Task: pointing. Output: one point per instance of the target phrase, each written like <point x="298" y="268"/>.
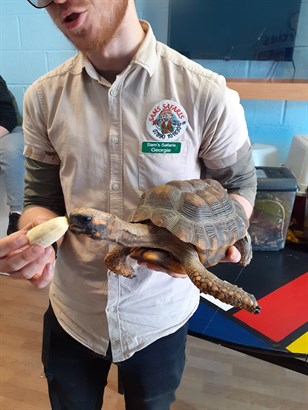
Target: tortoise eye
<point x="86" y="218"/>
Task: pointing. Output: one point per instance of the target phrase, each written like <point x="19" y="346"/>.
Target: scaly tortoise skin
<point x="182" y="226"/>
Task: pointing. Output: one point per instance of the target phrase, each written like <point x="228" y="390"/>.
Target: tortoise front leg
<point x="115" y="260"/>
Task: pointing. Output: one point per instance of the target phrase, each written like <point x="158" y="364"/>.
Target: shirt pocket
<point x="158" y="168"/>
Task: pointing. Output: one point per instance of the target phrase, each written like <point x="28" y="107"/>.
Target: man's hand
<point x="233" y="255"/>
<point x="22" y="261"/>
<point x="3" y="131"/>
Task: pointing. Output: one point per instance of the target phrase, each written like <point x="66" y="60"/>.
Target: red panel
<point x="283" y="310"/>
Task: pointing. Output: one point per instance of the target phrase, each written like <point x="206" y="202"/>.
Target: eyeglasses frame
<point x="39" y="7"/>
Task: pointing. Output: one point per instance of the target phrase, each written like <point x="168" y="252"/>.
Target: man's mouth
<point x="71" y="17"/>
<point x="73" y="20"/>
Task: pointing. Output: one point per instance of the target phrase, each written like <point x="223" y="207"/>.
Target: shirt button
<point x="115" y="187"/>
<point x="115" y="140"/>
<point x="113" y="93"/>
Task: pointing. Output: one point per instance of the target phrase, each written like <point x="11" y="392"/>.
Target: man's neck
<point x="111" y="60"/>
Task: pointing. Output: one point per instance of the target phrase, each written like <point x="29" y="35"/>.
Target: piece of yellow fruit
<point x="48" y="232"/>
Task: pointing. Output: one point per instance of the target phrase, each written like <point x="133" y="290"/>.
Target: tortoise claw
<point x="257" y="310"/>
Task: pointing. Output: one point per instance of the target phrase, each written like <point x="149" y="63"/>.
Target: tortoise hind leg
<point x="209" y="283"/>
<point x="224" y="291"/>
<point x="115" y="260"/>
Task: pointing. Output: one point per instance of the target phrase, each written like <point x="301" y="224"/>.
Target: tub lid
<point x="276" y="179"/>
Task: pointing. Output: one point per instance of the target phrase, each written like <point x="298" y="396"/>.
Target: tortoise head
<point x="90" y="222"/>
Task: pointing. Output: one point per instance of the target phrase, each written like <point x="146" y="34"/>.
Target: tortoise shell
<point x="199" y="212"/>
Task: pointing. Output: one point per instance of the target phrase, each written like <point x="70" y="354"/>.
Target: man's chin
<point x="80" y="43"/>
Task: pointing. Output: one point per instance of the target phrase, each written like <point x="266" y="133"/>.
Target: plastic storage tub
<point x="297" y="161"/>
<point x="273" y="208"/>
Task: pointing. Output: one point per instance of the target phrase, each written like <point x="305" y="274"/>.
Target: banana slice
<point x="48" y="232"/>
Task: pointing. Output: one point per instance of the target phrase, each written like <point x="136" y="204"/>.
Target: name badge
<point x="155" y="147"/>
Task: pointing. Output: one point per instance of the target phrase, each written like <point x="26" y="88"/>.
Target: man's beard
<point x="103" y="36"/>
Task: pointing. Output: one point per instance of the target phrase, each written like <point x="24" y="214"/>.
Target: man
<point x="11" y="154"/>
<point x="89" y="127"/>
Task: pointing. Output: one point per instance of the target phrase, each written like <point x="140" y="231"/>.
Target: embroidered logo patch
<point x="167" y="121"/>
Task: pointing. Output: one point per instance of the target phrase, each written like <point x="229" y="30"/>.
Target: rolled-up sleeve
<point x="226" y="148"/>
<point x="239" y="178"/>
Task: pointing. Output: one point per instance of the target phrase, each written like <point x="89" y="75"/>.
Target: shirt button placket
<point x="116" y="206"/>
<point x="116" y="154"/>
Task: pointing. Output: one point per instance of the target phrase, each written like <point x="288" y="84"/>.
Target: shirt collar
<point x="145" y="56"/>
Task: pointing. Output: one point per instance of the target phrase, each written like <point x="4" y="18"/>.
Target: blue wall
<point x="30" y="45"/>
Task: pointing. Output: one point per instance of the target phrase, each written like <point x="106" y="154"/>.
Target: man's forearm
<point x="244" y="202"/>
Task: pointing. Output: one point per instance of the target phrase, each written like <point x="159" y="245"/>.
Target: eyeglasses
<point x="40" y="4"/>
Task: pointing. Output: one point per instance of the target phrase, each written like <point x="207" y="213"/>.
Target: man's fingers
<point x="30" y="262"/>
<point x="17" y="260"/>
<point x="13" y="242"/>
<point x="43" y="280"/>
<point x="233" y="255"/>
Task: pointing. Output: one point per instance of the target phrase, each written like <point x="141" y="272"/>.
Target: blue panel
<point x="280" y="136"/>
<point x="156" y="13"/>
<point x="209" y="323"/>
<point x="9" y="33"/>
<point x="17" y="7"/>
<point x="56" y="58"/>
<point x="229" y="69"/>
<point x="22" y="67"/>
<point x="43" y="35"/>
<point x="297" y="115"/>
<point x="262" y="112"/>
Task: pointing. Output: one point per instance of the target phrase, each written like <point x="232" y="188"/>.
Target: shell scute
<point x="199" y="212"/>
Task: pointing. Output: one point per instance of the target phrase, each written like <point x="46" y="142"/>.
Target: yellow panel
<point x="299" y="345"/>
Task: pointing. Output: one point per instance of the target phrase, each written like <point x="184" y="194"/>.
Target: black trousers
<point x="77" y="376"/>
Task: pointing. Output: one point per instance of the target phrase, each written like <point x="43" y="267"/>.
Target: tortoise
<point x="181" y="226"/>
